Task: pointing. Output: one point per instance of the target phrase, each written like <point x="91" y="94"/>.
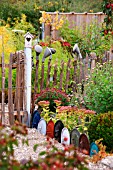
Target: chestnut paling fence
<point x="12" y="97"/>
<point x="64" y="77"/>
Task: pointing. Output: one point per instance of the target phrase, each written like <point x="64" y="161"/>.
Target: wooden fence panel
<point x="80" y="20"/>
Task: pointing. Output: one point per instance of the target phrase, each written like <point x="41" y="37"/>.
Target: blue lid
<point x="93" y="149"/>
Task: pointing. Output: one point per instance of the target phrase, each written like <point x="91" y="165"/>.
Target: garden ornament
<point x="74" y="137"/>
<point x="84" y="145"/>
<point x="93" y="149"/>
<point x="38" y="50"/>
<point x="42" y="126"/>
<point x="77" y="50"/>
<point x="65" y="136"/>
<point x="48" y="52"/>
<point x="50" y="129"/>
<point x="57" y="130"/>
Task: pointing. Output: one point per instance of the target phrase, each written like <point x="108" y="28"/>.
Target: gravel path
<point x="24" y="151"/>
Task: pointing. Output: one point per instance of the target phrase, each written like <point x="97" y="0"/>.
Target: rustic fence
<point x="15" y="106"/>
<point x="66" y="76"/>
<point x="76" y="70"/>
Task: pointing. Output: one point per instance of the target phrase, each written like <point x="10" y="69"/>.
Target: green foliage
<point x="14" y="8"/>
<point x="108" y="10"/>
<point x="75" y="117"/>
<point x="99" y="89"/>
<point x="89" y="40"/>
<point x="102" y="127"/>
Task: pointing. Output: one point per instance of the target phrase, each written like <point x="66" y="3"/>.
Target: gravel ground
<point x="22" y="152"/>
<point x="26" y="151"/>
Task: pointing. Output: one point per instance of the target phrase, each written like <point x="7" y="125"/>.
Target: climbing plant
<point x="108" y="10"/>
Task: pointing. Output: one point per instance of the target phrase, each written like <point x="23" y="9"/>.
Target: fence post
<point x="111" y="53"/>
<point x="10" y="98"/>
<point x="48" y="73"/>
<point x="61" y="75"/>
<point x="74" y="75"/>
<point x="93" y="58"/>
<point x="67" y="74"/>
<point x="3" y="91"/>
<point x="28" y="66"/>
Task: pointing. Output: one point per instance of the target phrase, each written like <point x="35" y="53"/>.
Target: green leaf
<point x="42" y="153"/>
<point x="35" y="147"/>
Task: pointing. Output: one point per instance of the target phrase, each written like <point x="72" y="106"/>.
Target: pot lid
<point x="42" y="126"/>
<point x="50" y="129"/>
<point x="65" y="136"/>
<point x="74" y="137"/>
<point x="84" y="145"/>
<point x="57" y="130"/>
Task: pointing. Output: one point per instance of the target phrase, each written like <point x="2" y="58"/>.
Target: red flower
<point x="66" y="44"/>
<point x="43" y="44"/>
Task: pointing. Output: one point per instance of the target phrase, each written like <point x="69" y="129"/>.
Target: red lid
<point x="50" y="129"/>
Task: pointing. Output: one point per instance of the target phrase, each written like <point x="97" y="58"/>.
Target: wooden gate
<point x="12" y="105"/>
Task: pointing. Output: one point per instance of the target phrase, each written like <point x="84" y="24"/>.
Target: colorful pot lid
<point x="93" y="149"/>
<point x="65" y="136"/>
<point x="84" y="145"/>
<point x="74" y="137"/>
<point x="57" y="130"/>
<point x="50" y="129"/>
<point x="42" y="126"/>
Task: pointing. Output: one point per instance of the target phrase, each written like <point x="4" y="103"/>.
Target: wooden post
<point x="36" y="77"/>
<point x="48" y="73"/>
<point x="10" y="98"/>
<point x="74" y="75"/>
<point x="81" y="71"/>
<point x="18" y="86"/>
<point x="55" y="75"/>
<point x="93" y="58"/>
<point x="61" y="74"/>
<point x="111" y="53"/>
<point x="86" y="67"/>
<point x="67" y="74"/>
<point x="3" y="92"/>
<point x="42" y="77"/>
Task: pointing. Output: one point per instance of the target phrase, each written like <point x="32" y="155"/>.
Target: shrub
<point x="74" y="117"/>
<point x="89" y="40"/>
<point x="99" y="89"/>
<point x="51" y="95"/>
<point x="102" y="127"/>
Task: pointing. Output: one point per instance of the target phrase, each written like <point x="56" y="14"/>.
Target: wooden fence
<point x="65" y="77"/>
<point x="75" y="19"/>
<point x="15" y="106"/>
